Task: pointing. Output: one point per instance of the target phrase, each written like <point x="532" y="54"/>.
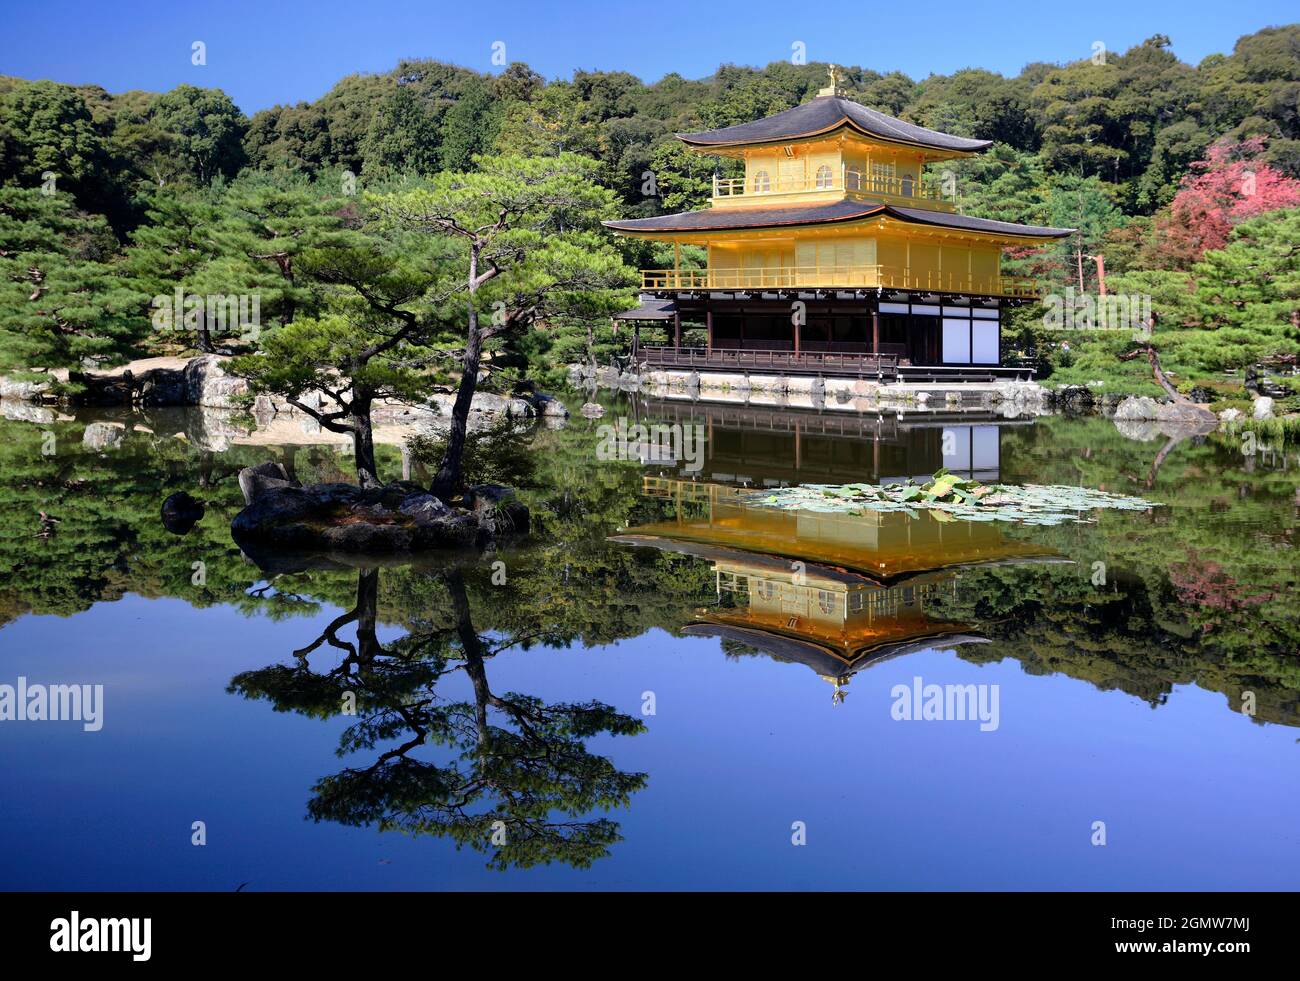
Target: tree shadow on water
<point x="508" y="775"/>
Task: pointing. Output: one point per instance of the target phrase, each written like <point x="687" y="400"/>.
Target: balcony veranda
<point x="838" y="277"/>
<point x="764" y="188"/>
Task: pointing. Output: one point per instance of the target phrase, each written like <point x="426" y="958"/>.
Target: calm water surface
<point x="669" y="684"/>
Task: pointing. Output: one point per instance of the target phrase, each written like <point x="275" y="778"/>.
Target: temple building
<point x="835" y="253"/>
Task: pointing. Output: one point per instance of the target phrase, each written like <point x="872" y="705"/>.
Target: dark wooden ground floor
<point x="857" y="334"/>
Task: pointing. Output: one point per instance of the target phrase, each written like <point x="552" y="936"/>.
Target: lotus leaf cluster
<point x="948" y="496"/>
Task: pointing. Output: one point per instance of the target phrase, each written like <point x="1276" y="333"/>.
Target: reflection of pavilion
<point x="835" y="592"/>
<point x="764" y="446"/>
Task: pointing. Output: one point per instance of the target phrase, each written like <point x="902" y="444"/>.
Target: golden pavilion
<point x="836" y="252"/>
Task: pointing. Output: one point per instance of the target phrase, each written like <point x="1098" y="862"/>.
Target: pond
<point x="664" y="686"/>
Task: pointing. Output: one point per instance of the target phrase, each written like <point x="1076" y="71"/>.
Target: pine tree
<point x="65" y="298"/>
<point x="266" y="222"/>
<point x="1250" y="291"/>
<point x="171" y="251"/>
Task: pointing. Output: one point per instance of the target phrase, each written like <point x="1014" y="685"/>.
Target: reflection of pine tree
<point x="517" y="781"/>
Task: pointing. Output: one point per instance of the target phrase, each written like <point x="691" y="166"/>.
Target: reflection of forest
<point x="1202" y="591"/>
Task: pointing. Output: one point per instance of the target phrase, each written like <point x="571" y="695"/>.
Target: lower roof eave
<point x="886" y="294"/>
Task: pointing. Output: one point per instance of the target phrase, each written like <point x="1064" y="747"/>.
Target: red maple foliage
<point x="1223" y="190"/>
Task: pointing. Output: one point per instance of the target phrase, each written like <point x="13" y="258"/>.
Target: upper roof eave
<point x="826" y="114"/>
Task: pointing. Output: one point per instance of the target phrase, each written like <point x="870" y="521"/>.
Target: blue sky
<point x="270" y="52"/>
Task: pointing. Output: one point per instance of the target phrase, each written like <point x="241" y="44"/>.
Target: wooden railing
<point x="879" y="185"/>
<point x="795" y="277"/>
<point x="789" y="362"/>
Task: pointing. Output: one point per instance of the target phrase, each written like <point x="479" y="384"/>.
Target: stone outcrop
<point x="1263" y="408"/>
<point x="1142" y="418"/>
<point x="398" y="517"/>
<point x="254" y="482"/>
<point x="484" y="403"/>
<point x="1137" y="408"/>
<point x="1073" y="398"/>
<point x="27" y="391"/>
<point x="181" y="512"/>
<point x="206" y="383"/>
<point x="497" y="508"/>
<point x="551" y="407"/>
<point x="164" y="387"/>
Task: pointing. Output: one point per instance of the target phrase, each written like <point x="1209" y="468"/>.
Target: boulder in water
<point x="181" y="512"/>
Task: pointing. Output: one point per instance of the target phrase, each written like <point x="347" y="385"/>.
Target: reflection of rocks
<point x="592" y="410"/>
<point x="215" y="429"/>
<point x="264" y="410"/>
<point x="271" y="421"/>
<point x="1138" y="429"/>
<point x="18" y="411"/>
<point x="100" y="436"/>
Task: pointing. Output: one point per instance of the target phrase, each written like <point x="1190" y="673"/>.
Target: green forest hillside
<point x="1184" y="178"/>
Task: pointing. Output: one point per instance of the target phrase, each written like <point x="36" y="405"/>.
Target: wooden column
<point x="875" y="330"/>
<point x="796" y="335"/>
<point x="677" y="329"/>
<point x="708" y="323"/>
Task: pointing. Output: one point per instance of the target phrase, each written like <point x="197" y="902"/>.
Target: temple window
<point x="823" y="176"/>
<point x="762" y="182"/>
